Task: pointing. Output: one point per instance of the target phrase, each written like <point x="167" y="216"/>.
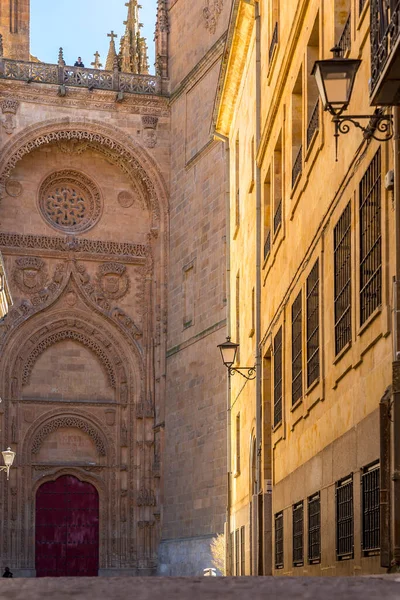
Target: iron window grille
<point x="313" y="358"/>
<point x="370" y="490"/>
<point x="297" y="350"/>
<point x="242" y="551"/>
<point x="297" y="165"/>
<point x="342" y="268"/>
<point x="298" y="534"/>
<point x="279" y="540"/>
<point x="267" y="245"/>
<point x="370" y="239"/>
<point x="344" y="519"/>
<point x="278" y="378"/>
<point x="314" y="529"/>
<point x="313" y="124"/>
<point x="237" y="555"/>
<point x="361" y="5"/>
<point x="274" y="42"/>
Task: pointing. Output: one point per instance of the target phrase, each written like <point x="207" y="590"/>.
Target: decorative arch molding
<point x="68" y="334"/>
<point x="133" y="159"/>
<point x="68" y="421"/>
<point x="56" y="419"/>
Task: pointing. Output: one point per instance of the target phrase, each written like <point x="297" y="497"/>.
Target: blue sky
<point x="81" y="27"/>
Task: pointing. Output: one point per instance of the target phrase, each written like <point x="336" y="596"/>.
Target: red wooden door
<point x="67" y="529"/>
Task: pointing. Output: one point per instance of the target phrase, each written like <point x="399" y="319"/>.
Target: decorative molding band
<point x="54" y="246"/>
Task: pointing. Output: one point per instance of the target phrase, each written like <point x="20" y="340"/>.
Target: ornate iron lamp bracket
<point x="379" y="126"/>
<point x="251" y="372"/>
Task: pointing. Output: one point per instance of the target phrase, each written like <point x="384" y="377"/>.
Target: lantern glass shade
<point x="8" y="457"/>
<point x="335" y="81"/>
<point x="228" y="352"/>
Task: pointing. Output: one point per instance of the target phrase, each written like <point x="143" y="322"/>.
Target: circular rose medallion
<point x="125" y="199"/>
<point x="69" y="201"/>
<point x="13" y="188"/>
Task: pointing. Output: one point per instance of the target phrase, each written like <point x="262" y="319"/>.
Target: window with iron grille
<point x="242" y="551"/>
<point x="279" y="540"/>
<point x="238" y="443"/>
<point x="313" y="324"/>
<point x="370" y="240"/>
<point x="371" y="509"/>
<point x="298" y="534"/>
<point x="237" y="555"/>
<point x="342" y="266"/>
<point x="314" y="529"/>
<point x="278" y="378"/>
<point x="344" y="519"/>
<point x="297" y="351"/>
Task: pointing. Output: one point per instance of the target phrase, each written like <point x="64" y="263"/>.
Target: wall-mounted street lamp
<point x="335" y="79"/>
<point x="228" y="352"/>
<point x="8" y="457"/>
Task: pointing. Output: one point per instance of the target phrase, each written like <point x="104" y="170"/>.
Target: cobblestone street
<point x="360" y="588"/>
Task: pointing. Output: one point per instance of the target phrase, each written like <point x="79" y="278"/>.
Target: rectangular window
<point x="242" y="551"/>
<point x="237" y="556"/>
<point x="277" y="165"/>
<point x="297" y="349"/>
<point x="312" y="55"/>
<point x="237" y="182"/>
<point x="344" y="519"/>
<point x="312" y="287"/>
<point x="297" y="128"/>
<point x="371" y="509"/>
<point x="279" y="540"/>
<point x="238" y="444"/>
<point x="278" y="378"/>
<point x="314" y="529"/>
<point x="267" y="214"/>
<point x="298" y="535"/>
<point x="342" y="267"/>
<point x="370" y="240"/>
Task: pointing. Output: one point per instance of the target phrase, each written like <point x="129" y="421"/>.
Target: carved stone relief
<point x="149" y="130"/>
<point x="9" y="108"/>
<point x="69" y="201"/>
<point x="211" y="13"/>
<point x="62" y="422"/>
<point x="126" y="199"/>
<point x="13" y="188"/>
<point x="113" y="280"/>
<point x="29" y="274"/>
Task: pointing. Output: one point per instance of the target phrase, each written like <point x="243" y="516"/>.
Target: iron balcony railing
<point x="344" y="42"/>
<point x="267" y="245"/>
<point x="274" y="42"/>
<point x="385" y="33"/>
<point x="92" y="79"/>
<point x="313" y="124"/>
<point x="297" y="165"/>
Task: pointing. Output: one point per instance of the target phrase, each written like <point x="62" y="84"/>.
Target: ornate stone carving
<point x="126" y="199"/>
<point x="110" y="416"/>
<point x="63" y="422"/>
<point x="69" y="201"/>
<point x="29" y="415"/>
<point x="124" y="435"/>
<point x="9" y="108"/>
<point x="211" y="13"/>
<point x="146" y="498"/>
<point x="58" y="245"/>
<point x="113" y="280"/>
<point x="145" y="409"/>
<point x="29" y="274"/>
<point x="13" y="188"/>
<point x="72" y="146"/>
<point x="68" y="334"/>
<point x="149" y="122"/>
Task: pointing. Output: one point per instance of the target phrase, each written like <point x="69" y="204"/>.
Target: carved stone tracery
<point x="70" y="201"/>
<point x="64" y="422"/>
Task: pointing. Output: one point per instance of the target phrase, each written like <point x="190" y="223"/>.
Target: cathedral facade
<point x="112" y="235"/>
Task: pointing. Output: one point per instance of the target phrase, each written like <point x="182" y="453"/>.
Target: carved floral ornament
<point x="135" y="162"/>
<point x="211" y="13"/>
<point x="70" y="201"/>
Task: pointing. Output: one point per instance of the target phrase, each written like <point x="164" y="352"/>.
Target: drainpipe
<point x="227" y="532"/>
<point x="259" y="412"/>
<point x="396" y="347"/>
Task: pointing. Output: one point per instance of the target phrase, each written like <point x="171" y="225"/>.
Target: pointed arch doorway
<point x="67" y="529"/>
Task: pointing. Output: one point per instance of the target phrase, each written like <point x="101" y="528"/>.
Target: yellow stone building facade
<point x="313" y="257"/>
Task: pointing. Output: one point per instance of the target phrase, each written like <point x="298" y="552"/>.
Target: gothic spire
<point x="112" y="53"/>
<point x="161" y="37"/>
<point x="133" y="48"/>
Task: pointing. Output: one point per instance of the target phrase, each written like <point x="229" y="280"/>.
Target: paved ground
<point x="206" y="588"/>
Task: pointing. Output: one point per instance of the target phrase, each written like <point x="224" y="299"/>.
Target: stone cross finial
<point x="61" y="61"/>
<point x="96" y="64"/>
<point x="112" y="35"/>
